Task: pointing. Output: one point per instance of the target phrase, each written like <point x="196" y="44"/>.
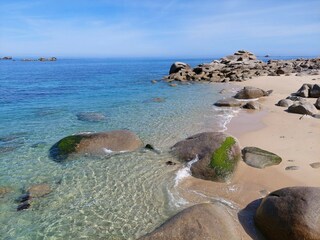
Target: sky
<point x="159" y="28"/>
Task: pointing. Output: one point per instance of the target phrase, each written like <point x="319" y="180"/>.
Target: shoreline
<point x="295" y="140"/>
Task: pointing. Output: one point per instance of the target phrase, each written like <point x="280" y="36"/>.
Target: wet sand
<point x="293" y="138"/>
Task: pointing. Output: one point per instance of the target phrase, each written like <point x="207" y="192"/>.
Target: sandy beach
<point x="294" y="137"/>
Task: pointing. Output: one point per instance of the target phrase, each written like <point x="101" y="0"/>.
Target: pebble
<point x="292" y="168"/>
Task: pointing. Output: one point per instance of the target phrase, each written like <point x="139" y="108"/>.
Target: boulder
<point x="290" y="214"/>
<point x="303" y="108"/>
<point x="91" y="117"/>
<point x="202" y="221"/>
<point x="259" y="158"/>
<point x="315" y="91"/>
<point x="251" y="92"/>
<point x="285" y="103"/>
<point x="95" y="144"/>
<point x="255" y="105"/>
<point x="228" y="102"/>
<point x="217" y="155"/>
<point x="304" y="91"/>
<point x="317" y="104"/>
<point x="177" y="66"/>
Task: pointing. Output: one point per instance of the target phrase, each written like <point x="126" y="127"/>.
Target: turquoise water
<point x="118" y="197"/>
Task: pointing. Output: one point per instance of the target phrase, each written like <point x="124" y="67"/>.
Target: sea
<point x="121" y="196"/>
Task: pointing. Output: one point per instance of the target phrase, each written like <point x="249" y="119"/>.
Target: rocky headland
<point x="241" y="66"/>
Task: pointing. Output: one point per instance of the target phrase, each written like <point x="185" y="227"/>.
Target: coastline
<point x="295" y="140"/>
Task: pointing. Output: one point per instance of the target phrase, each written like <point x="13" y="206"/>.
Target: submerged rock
<point x="290" y="214"/>
<point x="259" y="158"/>
<point x="39" y="190"/>
<point x="202" y="221"/>
<point x="95" y="144"/>
<point x="23" y="206"/>
<point x="91" y="117"/>
<point x="217" y="153"/>
<point x="4" y="191"/>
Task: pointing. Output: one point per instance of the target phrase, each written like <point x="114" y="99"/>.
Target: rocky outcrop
<point x="251" y="93"/>
<point x="202" y="221"/>
<point x="303" y="108"/>
<point x="6" y="58"/>
<point x="259" y="158"/>
<point x="178" y="66"/>
<point x="290" y="214"/>
<point x="95" y="144"/>
<point x="91" y="117"/>
<point x="217" y="154"/>
<point x="241" y="66"/>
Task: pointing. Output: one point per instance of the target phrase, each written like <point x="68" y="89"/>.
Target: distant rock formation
<point x="42" y="59"/>
<point x="6" y="58"/>
<point x="241" y="66"/>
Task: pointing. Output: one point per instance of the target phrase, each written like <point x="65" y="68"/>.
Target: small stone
<point x="154" y="81"/>
<point x="173" y="84"/>
<point x="23" y="206"/>
<point x="292" y="168"/>
<point x="315" y="165"/>
<point x="170" y="163"/>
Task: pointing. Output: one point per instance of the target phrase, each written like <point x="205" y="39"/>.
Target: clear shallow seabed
<point x="118" y="197"/>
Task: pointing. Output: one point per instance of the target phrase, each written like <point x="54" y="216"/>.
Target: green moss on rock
<point x="68" y="144"/>
<point x="220" y="159"/>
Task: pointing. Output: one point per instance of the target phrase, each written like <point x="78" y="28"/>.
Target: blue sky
<point x="154" y="28"/>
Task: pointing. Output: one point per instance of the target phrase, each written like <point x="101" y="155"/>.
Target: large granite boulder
<point x="290" y="214"/>
<point x="177" y="66"/>
<point x="203" y="221"/>
<point x="304" y="90"/>
<point x="251" y="92"/>
<point x="95" y="144"/>
<point x="259" y="158"/>
<point x="217" y="153"/>
<point x="303" y="108"/>
<point x="228" y="102"/>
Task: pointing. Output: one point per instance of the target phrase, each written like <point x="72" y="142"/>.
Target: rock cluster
<point x="6" y="58"/>
<point x="42" y="59"/>
<point x="239" y="67"/>
<point x="298" y="103"/>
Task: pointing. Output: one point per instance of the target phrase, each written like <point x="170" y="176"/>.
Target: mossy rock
<point x="222" y="161"/>
<point x="259" y="158"/>
<point x="97" y="144"/>
<point x="218" y="155"/>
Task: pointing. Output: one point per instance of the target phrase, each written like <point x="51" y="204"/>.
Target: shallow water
<point x="117" y="197"/>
